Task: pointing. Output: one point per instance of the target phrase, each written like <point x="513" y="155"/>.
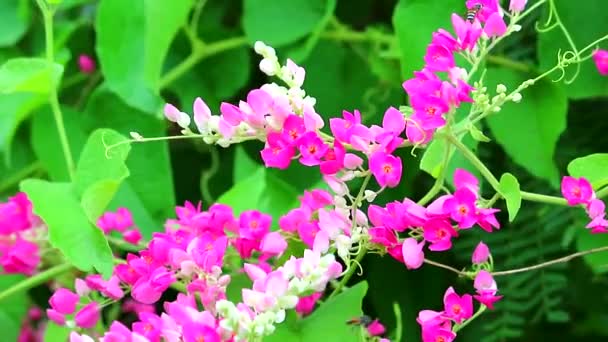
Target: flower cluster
<point x="120" y="221"/>
<point x="433" y="98"/>
<point x="578" y="191"/>
<point x="436" y="224"/>
<point x="20" y="232"/>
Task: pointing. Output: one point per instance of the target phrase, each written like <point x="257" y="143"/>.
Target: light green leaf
<point x="47" y="146"/>
<point x="509" y="189"/>
<point x="585" y="23"/>
<point x="328" y="322"/>
<point x="69" y="229"/>
<point x="14" y="308"/>
<point x="56" y="333"/>
<point x="432" y="160"/>
<point x="478" y="135"/>
<point x="594" y="167"/>
<point x="414" y="22"/>
<point x="132" y="41"/>
<point x="244" y="165"/>
<point x="278" y="22"/>
<point x="586" y="241"/>
<point x="261" y="192"/>
<point x="15" y="17"/>
<point x="528" y="131"/>
<point x="15" y="109"/>
<point x="36" y="75"/>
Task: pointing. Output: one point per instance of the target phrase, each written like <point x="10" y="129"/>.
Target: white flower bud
<point x="501" y="88"/>
<point x="268" y="67"/>
<point x="136" y="136"/>
<point x="370" y="195"/>
<point x="516" y="97"/>
<point x="496" y="109"/>
<point x="516" y="28"/>
<point x="184" y="120"/>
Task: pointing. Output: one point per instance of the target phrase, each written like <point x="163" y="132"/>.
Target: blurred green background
<point x="356" y="54"/>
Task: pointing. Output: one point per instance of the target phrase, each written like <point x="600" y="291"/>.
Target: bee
<point x="364" y="321"/>
<point x="472" y="13"/>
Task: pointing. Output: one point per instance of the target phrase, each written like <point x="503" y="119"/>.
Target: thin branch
<point x="446" y="267"/>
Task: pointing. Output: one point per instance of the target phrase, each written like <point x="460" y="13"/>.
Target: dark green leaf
<point x="69" y="229"/>
<point x="278" y="22"/>
<point x="244" y="165"/>
<point x="509" y="189"/>
<point x="15" y="108"/>
<point x="585" y="23"/>
<point x="586" y="241"/>
<point x="15" y="18"/>
<point x="594" y="167"/>
<point x="36" y="75"/>
<point x="132" y="40"/>
<point x="13" y="308"/>
<point x="528" y="131"/>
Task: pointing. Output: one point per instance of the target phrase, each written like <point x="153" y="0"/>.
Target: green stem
<point x="200" y="52"/>
<point x="47" y="14"/>
<point x="36" y="280"/>
<point x="602" y="193"/>
<point x="440" y="178"/>
<point x="126" y="246"/>
<point x="532" y="197"/>
<point x="458" y="327"/>
<point x="12" y="181"/>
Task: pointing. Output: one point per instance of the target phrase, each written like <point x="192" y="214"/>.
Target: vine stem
<point x="440" y="178"/>
<point x="561" y="260"/>
<point x="36" y="280"/>
<point x="478" y="313"/>
<point x="47" y="14"/>
<point x="362" y="249"/>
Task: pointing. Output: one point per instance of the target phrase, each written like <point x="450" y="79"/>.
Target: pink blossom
<point x="55" y="316"/>
<point x="254" y="224"/>
<point x="312" y="148"/>
<point x="88" y="316"/>
<point x="439" y="233"/>
<point x="149" y="326"/>
<point x="202" y="115"/>
<point x="376" y="328"/>
<point x="488" y="7"/>
<point x="438" y="334"/>
<point x="486" y="289"/>
<point x="278" y="152"/>
<point x="462" y="207"/>
<point x="119" y="221"/>
<point x="495" y="25"/>
<point x="293" y="129"/>
<point x="416" y="134"/>
<point x="344" y="128"/>
<point x="175" y="115"/>
<point x="386" y="169"/>
<point x="467" y="33"/>
<point x="600" y="57"/>
<point x="333" y="160"/>
<point x="197" y="332"/>
<point x="517" y="6"/>
<point x="132" y="236"/>
<point x="64" y="301"/>
<point x="316" y="199"/>
<point x="464" y="179"/>
<point x="439" y="58"/>
<point x="292" y="220"/>
<point x="486" y="219"/>
<point x="75" y="337"/>
<point x="456" y="307"/>
<point x="480" y="254"/>
<point x="307" y="233"/>
<point x="86" y="64"/>
<point x="577" y="190"/>
<point x="307" y="304"/>
<point x="273" y="243"/>
<point x="429" y="111"/>
<point x="413" y="256"/>
<point x="22" y="257"/>
<point x="430" y="318"/>
<point x="16" y="214"/>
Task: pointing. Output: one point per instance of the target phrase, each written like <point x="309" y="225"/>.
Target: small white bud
<point x="136" y="136"/>
<point x="259" y="47"/>
<point x="268" y="67"/>
<point x="516" y="97"/>
<point x="516" y="28"/>
<point x="370" y="195"/>
<point x="184" y="120"/>
<point x="496" y="109"/>
<point x="501" y="88"/>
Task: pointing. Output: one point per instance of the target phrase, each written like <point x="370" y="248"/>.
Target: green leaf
<point x="238" y="282"/>
<point x="585" y="23"/>
<point x="594" y="167"/>
<point x="47" y="146"/>
<point x="36" y="75"/>
<point x="328" y="322"/>
<point x="14" y="308"/>
<point x="278" y="22"/>
<point x="414" y="22"/>
<point x="261" y="192"/>
<point x="432" y="160"/>
<point x="132" y="41"/>
<point x="69" y="229"/>
<point x="56" y="333"/>
<point x="15" y="18"/>
<point x="509" y="189"/>
<point x="151" y="179"/>
<point x="478" y="135"/>
<point x="100" y="171"/>
<point x="15" y="109"/>
<point x="586" y="241"/>
<point x="529" y="131"/>
<point x="244" y="166"/>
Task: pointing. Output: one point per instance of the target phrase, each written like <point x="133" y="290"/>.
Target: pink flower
<point x="132" y="236"/>
<point x="307" y="304"/>
<point x="273" y="243"/>
<point x="486" y="289"/>
<point x="254" y="224"/>
<point x="386" y="169"/>
<point x="456" y="307"/>
<point x="577" y="190"/>
<point x="429" y="111"/>
<point x="278" y="152"/>
<point x="464" y="179"/>
<point x="488" y="7"/>
<point x="197" y="332"/>
<point x="16" y="214"/>
<point x="495" y="25"/>
<point x="308" y="232"/>
<point x="55" y="316"/>
<point x="600" y="57"/>
<point x="486" y="219"/>
<point x="430" y="318"/>
<point x="312" y="148"/>
<point x="202" y="115"/>
<point x="376" y="328"/>
<point x="333" y="160"/>
<point x="413" y="256"/>
<point x="467" y="33"/>
<point x="462" y="207"/>
<point x="439" y="58"/>
<point x="175" y="115"/>
<point x="416" y="134"/>
<point x="86" y="64"/>
<point x="64" y="301"/>
<point x="438" y="334"/>
<point x="293" y="129"/>
<point x="480" y="254"/>
<point x="517" y="6"/>
<point x="293" y="219"/>
<point x="88" y="316"/>
<point x="75" y="337"/>
<point x="22" y="257"/>
<point x="439" y="233"/>
<point x="343" y="129"/>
